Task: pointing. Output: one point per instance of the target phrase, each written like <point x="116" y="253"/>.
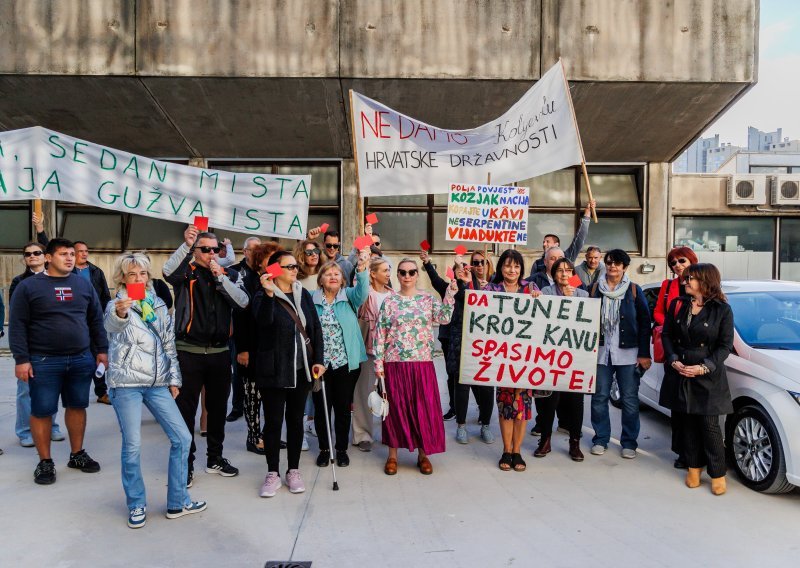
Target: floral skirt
<point x="514" y="404"/>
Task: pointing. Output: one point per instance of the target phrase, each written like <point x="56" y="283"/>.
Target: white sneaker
<point x="628" y="453"/>
<point x="309" y="428"/>
<point x="598" y="450"/>
<point x="304" y="447"/>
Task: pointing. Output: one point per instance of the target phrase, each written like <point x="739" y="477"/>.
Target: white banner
<point x="399" y="155"/>
<point x="487" y="214"/>
<point x="518" y="341"/>
<point x="36" y="163"/>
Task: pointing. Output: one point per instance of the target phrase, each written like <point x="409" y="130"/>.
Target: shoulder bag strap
<point x="298" y="324"/>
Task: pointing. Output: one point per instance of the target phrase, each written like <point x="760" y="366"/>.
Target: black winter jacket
<point x="98" y="280"/>
<point x="707" y="340"/>
<point x="244" y="322"/>
<point x="275" y="341"/>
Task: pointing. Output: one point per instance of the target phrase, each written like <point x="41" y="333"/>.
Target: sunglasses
<point x="206" y="250"/>
<point x="377" y="243"/>
<point x="332" y="245"/>
<point x="312" y="252"/>
<point x="613" y="263"/>
<point x="478" y="262"/>
<point x="32" y="253"/>
<point x="675" y="261"/>
<point x="404" y="273"/>
<point x="290" y="266"/>
<point x="691" y="278"/>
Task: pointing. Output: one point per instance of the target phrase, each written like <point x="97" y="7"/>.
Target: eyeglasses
<point x="290" y="266"/>
<point x="675" y="261"/>
<point x="377" y="243"/>
<point x="691" y="278"/>
<point x="312" y="252"/>
<point x="564" y="271"/>
<point x="206" y="250"/>
<point x="613" y="263"/>
<point x="332" y="245"/>
<point x="478" y="262"/>
<point x="32" y="253"/>
<point x="404" y="273"/>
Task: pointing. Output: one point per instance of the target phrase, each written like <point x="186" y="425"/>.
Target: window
<point x="16" y="228"/>
<point x="740" y="247"/>
<point x="769" y="170"/>
<point x="790" y="250"/>
<point x="557" y="203"/>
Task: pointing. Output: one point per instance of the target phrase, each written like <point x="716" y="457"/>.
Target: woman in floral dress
<point x="403" y="355"/>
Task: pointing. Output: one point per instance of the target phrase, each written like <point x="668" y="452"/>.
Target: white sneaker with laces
<point x="304" y="447"/>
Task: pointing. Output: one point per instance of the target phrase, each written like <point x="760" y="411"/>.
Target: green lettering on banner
<point x="3" y="183"/>
<point x="125" y="199"/>
<point x="197" y="209"/>
<point x="233" y="183"/>
<point x="2" y="155"/>
<point x="283" y="181"/>
<point x="203" y="175"/>
<point x="154" y="201"/>
<point x="135" y="163"/>
<point x="76" y="152"/>
<point x="52" y="179"/>
<point x="33" y="185"/>
<point x="160" y="175"/>
<point x="297" y="190"/>
<point x="295" y="223"/>
<point x="172" y="204"/>
<point x="256" y="181"/>
<point x="274" y="219"/>
<point x="52" y="139"/>
<point x="249" y="216"/>
<point x="102" y="159"/>
<point x="113" y="196"/>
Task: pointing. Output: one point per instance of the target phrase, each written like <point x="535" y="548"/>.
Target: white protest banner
<point x="487" y="214"/>
<point x="36" y="163"/>
<point x="399" y="155"/>
<point x="518" y="341"/>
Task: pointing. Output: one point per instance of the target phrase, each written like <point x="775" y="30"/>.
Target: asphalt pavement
<point x="605" y="511"/>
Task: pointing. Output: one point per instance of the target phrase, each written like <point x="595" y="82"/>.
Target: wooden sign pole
<point x="359" y="204"/>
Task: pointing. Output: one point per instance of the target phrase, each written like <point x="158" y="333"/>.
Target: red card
<point x="461" y="250"/>
<point x="274" y="270"/>
<point x="135" y="291"/>
<point x="425" y="245"/>
<point x="575" y="281"/>
<point x="450" y="273"/>
<point x="372" y="218"/>
<point x="363" y="242"/>
<point x="201" y="223"/>
<point x="323" y="228"/>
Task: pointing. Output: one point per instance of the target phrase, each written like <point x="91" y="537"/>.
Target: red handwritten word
<point x="374" y="127"/>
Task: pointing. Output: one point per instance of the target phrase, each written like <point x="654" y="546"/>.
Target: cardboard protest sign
<point x="37" y="163"/>
<point x="135" y="291"/>
<point x="487" y="214"/>
<point x="518" y="341"/>
<point x="400" y="155"/>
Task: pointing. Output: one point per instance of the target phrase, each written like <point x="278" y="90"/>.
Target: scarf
<point x="612" y="301"/>
<point x="147" y="307"/>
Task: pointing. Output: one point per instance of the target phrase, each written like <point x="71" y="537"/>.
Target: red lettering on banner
<point x="376" y="127"/>
<point x="556" y="375"/>
<point x="576" y="381"/>
<point x="484" y="364"/>
<point x="532" y="373"/>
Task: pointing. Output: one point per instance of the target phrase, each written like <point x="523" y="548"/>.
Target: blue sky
<point x="775" y="101"/>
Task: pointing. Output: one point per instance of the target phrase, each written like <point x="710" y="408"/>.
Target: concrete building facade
<point x="262" y="86"/>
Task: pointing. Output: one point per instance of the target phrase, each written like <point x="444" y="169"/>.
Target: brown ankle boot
<point x="575" y="450"/>
<point x="544" y="447"/>
<point x="718" y="485"/>
<point x="693" y="477"/>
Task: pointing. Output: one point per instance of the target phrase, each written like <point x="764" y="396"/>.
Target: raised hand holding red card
<point x="135" y="291"/>
<point x="460" y="250"/>
<point x="575" y="281"/>
<point x="372" y="218"/>
<point x="274" y="270"/>
<point x="425" y="245"/>
<point x="324" y="228"/>
<point x="200" y="223"/>
<point x="363" y="242"/>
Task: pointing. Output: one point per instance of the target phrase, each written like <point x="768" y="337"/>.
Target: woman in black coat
<point x="697" y="338"/>
<point x="289" y="357"/>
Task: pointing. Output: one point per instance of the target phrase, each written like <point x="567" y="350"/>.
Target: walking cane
<point x="328" y="430"/>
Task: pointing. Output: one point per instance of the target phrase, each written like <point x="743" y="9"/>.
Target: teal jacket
<point x="345" y="307"/>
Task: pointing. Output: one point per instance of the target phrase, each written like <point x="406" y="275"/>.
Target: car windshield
<point x="767" y="320"/>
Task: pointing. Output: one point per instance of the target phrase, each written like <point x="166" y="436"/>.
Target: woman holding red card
<point x="513" y="405"/>
<point x="143" y="370"/>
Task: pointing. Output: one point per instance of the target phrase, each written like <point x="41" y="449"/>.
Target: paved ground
<point x="603" y="512"/>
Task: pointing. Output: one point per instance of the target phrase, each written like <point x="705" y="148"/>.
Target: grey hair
<point x="552" y="249"/>
<point x="248" y="239"/>
<point x="592" y="248"/>
<point x="123" y="264"/>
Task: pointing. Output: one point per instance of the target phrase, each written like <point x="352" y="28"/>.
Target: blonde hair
<point x="123" y="264"/>
<point x="330" y="265"/>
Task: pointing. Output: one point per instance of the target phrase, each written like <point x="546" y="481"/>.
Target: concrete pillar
<point x="658" y="215"/>
<point x="350" y="205"/>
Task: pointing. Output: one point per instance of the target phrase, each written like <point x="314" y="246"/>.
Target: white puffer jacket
<point x="136" y="357"/>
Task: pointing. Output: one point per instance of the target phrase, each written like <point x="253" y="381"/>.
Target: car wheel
<point x="614" y="396"/>
<point x="754" y="449"/>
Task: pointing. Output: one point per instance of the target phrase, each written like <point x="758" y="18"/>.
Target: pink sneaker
<point x="295" y="481"/>
<point x="272" y="482"/>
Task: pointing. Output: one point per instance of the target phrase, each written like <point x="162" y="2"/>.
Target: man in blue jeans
<point x="56" y="323"/>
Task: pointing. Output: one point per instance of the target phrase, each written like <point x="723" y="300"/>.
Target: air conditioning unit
<point x="785" y="190"/>
<point x="747" y="189"/>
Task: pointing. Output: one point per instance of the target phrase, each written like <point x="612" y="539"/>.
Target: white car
<point x="762" y="436"/>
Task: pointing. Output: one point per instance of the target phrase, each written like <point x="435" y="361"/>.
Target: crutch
<point x="328" y="429"/>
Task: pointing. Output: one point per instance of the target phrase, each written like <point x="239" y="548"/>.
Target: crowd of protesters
<point x="305" y="334"/>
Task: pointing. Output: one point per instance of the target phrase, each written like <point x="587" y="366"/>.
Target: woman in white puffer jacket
<point x="143" y="370"/>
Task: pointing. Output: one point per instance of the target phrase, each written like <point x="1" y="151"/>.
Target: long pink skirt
<point x="415" y="410"/>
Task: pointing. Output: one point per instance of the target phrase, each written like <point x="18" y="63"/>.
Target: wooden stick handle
<point x="588" y="189"/>
<point x="37" y="207"/>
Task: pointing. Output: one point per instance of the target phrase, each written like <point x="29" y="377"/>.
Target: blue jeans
<point x="127" y="403"/>
<point x="628" y="382"/>
<point x="23" y="426"/>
